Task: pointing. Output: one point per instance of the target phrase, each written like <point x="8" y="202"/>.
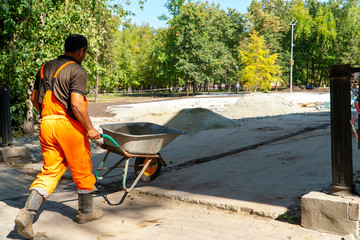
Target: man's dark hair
<point x="75" y="42"/>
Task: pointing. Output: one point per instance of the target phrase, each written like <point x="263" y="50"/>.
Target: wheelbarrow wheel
<point x="151" y="172"/>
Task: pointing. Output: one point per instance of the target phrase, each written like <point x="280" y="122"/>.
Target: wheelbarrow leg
<point x="137" y="178"/>
<point x="110" y="170"/>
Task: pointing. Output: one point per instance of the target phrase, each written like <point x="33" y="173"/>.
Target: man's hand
<point x="79" y="107"/>
<point x="93" y="134"/>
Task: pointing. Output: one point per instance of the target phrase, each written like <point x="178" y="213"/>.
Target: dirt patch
<point x="303" y="89"/>
<point x="200" y="113"/>
<point x="100" y="109"/>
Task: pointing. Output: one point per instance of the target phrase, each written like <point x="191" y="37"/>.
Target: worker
<point x="65" y="129"/>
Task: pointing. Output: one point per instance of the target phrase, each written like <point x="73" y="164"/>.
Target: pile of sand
<point x="191" y="117"/>
<point x="260" y="105"/>
<point x="198" y="119"/>
<point x="188" y="120"/>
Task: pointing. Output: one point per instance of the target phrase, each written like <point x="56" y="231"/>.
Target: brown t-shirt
<point x="72" y="78"/>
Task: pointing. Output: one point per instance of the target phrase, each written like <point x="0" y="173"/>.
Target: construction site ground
<point x="229" y="183"/>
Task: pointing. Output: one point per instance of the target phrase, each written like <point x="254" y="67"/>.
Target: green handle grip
<point x="110" y="139"/>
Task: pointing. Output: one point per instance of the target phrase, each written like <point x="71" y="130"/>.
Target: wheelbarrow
<point x="141" y="141"/>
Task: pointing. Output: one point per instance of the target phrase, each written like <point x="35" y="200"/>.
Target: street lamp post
<point x="237" y="86"/>
<point x="292" y="23"/>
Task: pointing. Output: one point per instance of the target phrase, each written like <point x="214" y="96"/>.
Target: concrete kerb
<point x="332" y="214"/>
<point x="13" y="154"/>
<point x="231" y="205"/>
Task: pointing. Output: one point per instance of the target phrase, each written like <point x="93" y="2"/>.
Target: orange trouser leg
<point x="76" y="145"/>
<point x="64" y="143"/>
<point x="54" y="161"/>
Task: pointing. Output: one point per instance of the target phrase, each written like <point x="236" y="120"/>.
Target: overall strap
<point x="56" y="73"/>
<point x="61" y="67"/>
<point x="42" y="71"/>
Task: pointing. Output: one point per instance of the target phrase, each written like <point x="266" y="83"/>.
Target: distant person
<point x="309" y="86"/>
<point x="65" y="129"/>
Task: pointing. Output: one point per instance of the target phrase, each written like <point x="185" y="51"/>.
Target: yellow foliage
<point x="260" y="68"/>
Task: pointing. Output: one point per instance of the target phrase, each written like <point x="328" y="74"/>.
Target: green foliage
<point x="33" y="32"/>
<point x="207" y="37"/>
<point x="198" y="47"/>
<point x="271" y="20"/>
<point x="131" y="52"/>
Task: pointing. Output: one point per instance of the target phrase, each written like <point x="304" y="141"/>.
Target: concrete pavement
<point x="262" y="168"/>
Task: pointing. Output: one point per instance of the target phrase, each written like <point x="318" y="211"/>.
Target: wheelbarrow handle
<point x="110" y="139"/>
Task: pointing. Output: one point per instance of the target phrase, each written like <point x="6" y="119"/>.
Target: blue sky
<point x="154" y="8"/>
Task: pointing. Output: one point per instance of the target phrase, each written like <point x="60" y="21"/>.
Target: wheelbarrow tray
<point x="139" y="137"/>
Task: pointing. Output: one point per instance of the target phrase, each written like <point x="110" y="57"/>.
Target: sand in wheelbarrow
<point x="260" y="105"/>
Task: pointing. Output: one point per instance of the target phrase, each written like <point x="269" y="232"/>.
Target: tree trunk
<point x="187" y="86"/>
<point x="170" y="84"/>
<point x="318" y="78"/>
<point x="29" y="121"/>
<point x="307" y="73"/>
<point x="97" y="80"/>
<point x="321" y="76"/>
<point x="176" y="84"/>
<point x="312" y="71"/>
<point x="319" y="72"/>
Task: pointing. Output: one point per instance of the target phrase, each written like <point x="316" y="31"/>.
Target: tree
<point x="33" y="32"/>
<point x="271" y="19"/>
<point x="132" y="52"/>
<point x="206" y="39"/>
<point x="346" y="49"/>
<point x="259" y="68"/>
<point x="314" y="39"/>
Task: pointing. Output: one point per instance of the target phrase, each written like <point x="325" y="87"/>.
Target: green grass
<point x="290" y="218"/>
<point x="109" y="97"/>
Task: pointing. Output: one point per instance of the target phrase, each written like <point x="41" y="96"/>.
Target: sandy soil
<point x="199" y="113"/>
<point x="100" y="109"/>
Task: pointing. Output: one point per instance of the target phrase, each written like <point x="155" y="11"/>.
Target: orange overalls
<point x="64" y="142"/>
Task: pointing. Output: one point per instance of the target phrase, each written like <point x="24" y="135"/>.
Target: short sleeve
<point x="37" y="81"/>
<point x="78" y="81"/>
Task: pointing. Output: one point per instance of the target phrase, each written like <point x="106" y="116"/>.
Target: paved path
<point x="136" y="216"/>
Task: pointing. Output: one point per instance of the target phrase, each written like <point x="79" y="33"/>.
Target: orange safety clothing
<point x="64" y="143"/>
<point x="71" y="78"/>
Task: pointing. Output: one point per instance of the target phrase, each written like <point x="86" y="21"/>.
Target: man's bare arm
<point x="79" y="107"/>
<point x="35" y="99"/>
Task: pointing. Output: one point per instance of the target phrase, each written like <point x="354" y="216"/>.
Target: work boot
<point x="24" y="220"/>
<point x="86" y="213"/>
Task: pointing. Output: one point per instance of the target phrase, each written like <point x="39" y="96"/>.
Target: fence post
<point x="341" y="135"/>
<point x="5" y="117"/>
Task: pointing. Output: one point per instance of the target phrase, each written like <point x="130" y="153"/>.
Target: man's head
<point x="76" y="46"/>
